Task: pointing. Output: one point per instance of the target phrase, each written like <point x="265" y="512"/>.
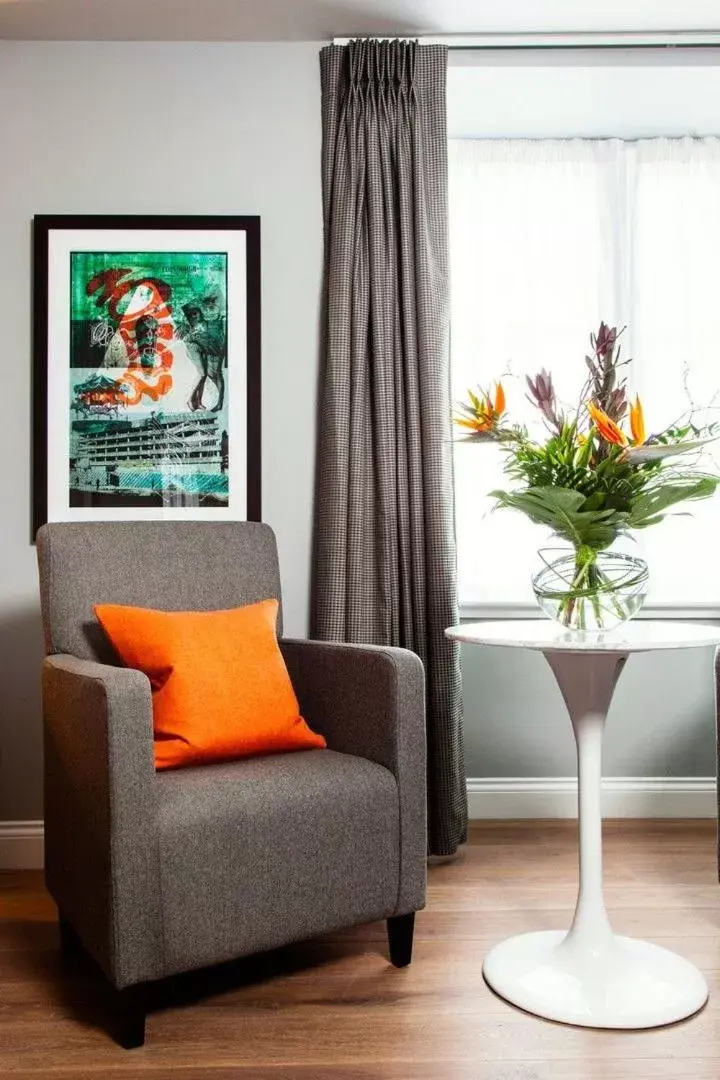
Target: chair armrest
<point x="369" y="700"/>
<point x="101" y="843"/>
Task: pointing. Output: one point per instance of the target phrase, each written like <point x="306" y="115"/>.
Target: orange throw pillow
<point x="220" y="688"/>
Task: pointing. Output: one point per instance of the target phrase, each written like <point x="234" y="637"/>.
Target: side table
<point x="590" y="976"/>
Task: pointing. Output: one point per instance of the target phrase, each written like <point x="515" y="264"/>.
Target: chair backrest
<point x="169" y="566"/>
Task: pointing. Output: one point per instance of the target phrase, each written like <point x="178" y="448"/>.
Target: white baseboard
<point x="21" y="842"/>
<point x="623" y="797"/>
<point x="21" y="845"/>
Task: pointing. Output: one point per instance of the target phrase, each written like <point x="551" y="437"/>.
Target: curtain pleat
<point x="384" y="548"/>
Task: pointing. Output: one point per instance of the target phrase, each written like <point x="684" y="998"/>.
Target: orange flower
<point x="483" y="412"/>
<point x="607" y="427"/>
<point x="637" y="423"/>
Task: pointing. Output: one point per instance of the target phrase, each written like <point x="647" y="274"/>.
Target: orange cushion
<point x="220" y="688"/>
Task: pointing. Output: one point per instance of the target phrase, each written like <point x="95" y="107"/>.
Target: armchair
<point x="159" y="873"/>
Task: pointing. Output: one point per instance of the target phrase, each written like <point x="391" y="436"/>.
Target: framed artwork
<point x="146" y="368"/>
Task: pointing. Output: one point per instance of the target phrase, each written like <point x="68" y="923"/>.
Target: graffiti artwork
<point x="161" y="362"/>
<point x="147" y="378"/>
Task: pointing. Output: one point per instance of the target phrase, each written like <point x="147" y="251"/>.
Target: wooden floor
<point x="333" y="1009"/>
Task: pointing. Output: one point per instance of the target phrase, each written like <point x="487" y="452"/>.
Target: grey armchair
<point x="159" y="873"/>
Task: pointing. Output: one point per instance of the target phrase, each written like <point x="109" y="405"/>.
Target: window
<point x="548" y="237"/>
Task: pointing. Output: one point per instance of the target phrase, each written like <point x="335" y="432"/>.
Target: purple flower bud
<point x="542" y="394"/>
<point x="604" y="341"/>
<point x="616" y="404"/>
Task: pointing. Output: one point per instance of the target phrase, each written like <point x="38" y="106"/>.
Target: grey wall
<point x="661" y="720"/>
<point x="117" y="128"/>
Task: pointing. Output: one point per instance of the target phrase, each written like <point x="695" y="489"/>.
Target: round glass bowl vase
<point x="583" y="589"/>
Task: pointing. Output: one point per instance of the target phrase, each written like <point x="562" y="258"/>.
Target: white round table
<point x="590" y="976"/>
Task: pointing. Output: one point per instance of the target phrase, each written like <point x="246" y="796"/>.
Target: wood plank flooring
<point x="333" y="1009"/>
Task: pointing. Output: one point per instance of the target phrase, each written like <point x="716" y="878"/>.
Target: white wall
<point x="155" y="128"/>
<point x="588" y="93"/>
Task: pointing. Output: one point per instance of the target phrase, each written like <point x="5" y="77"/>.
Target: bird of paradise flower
<point x="590" y="479"/>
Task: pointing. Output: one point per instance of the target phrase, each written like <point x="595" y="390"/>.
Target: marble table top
<point x="639" y="635"/>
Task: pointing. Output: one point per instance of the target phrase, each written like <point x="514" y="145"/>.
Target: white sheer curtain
<point x="547" y="238"/>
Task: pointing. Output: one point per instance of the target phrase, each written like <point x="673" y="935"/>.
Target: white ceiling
<point x="318" y="20"/>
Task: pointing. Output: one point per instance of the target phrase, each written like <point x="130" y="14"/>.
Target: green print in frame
<point x="147" y="355"/>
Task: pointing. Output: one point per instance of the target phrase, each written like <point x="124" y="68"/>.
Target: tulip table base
<point x="624" y="984"/>
<point x="588" y="975"/>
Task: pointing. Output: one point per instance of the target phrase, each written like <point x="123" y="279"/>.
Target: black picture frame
<point x="47" y="228"/>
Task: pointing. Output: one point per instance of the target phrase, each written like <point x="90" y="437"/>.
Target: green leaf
<point x="595" y="501"/>
<point x="647" y="522"/>
<point x="662" y="496"/>
<point x="559" y="508"/>
<point x="583" y="454"/>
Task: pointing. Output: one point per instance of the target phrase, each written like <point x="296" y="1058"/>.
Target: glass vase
<point x="584" y="589"/>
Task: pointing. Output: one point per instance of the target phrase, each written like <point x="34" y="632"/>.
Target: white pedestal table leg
<point x="590" y="976"/>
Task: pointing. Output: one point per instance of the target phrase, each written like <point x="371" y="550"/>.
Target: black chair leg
<point x="400" y="938"/>
<point x="130" y="1007"/>
<point x="72" y="951"/>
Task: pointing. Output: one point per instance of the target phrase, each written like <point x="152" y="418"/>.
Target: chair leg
<point x="400" y="938"/>
<point x="130" y="1007"/>
<point x="71" y="947"/>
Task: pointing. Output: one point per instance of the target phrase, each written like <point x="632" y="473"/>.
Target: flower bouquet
<point x="595" y="478"/>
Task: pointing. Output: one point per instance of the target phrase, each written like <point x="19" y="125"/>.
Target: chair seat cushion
<point x="263" y="851"/>
<point x="220" y="688"/>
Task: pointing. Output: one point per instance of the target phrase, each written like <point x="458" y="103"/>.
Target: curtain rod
<point x="665" y="39"/>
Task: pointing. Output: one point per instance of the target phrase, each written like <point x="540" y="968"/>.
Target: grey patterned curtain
<point x="384" y="565"/>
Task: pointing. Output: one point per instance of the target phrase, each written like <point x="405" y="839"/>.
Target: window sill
<point x="480" y="611"/>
